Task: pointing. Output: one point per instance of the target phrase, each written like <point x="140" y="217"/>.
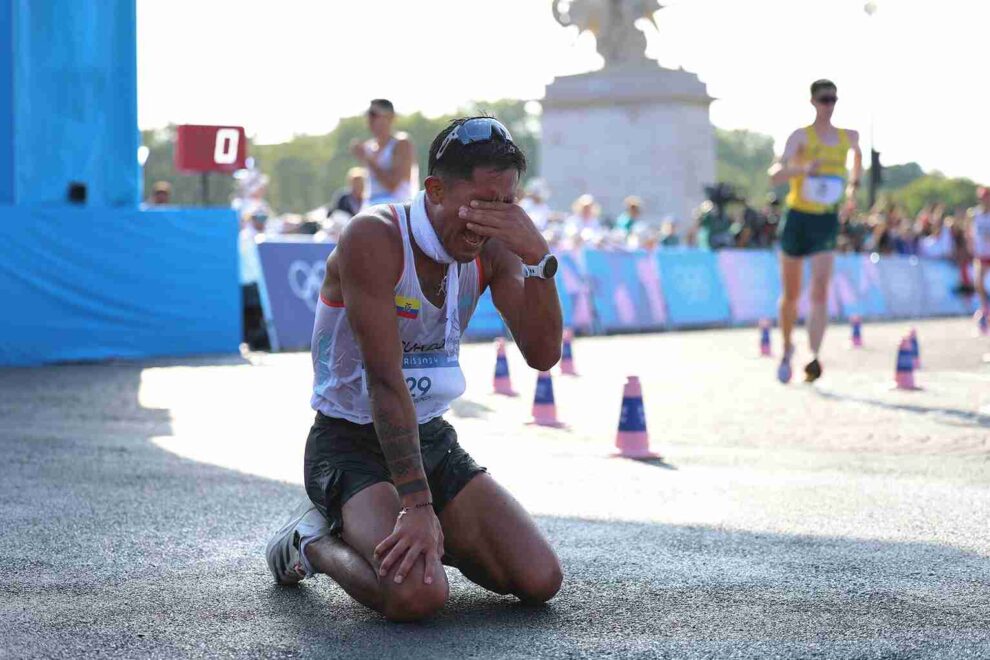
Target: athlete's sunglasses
<point x="827" y="100"/>
<point x="480" y="129"/>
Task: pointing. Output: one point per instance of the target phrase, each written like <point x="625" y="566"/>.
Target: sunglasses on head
<point x="481" y="129"/>
<point x="827" y="100"/>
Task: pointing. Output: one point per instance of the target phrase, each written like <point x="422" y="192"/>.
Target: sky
<point x="916" y="71"/>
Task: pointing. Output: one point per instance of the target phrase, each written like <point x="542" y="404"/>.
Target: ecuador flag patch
<point x="407" y="308"/>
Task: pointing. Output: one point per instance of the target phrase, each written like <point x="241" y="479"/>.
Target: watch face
<point x="550" y="266"/>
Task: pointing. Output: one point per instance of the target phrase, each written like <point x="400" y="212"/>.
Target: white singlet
<point x="433" y="376"/>
<point x="981" y="234"/>
<point x="377" y="192"/>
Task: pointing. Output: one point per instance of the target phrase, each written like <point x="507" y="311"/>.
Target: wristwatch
<point x="546" y="269"/>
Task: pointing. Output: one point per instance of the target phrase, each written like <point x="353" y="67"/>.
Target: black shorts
<point x="804" y="234"/>
<point x="344" y="458"/>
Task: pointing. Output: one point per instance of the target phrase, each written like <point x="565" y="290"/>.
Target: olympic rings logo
<point x="305" y="280"/>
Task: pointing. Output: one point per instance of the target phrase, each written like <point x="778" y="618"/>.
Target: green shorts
<point x="803" y="234"/>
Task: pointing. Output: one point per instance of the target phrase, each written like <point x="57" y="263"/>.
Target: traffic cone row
<point x="567" y="354"/>
<point x="856" y="322"/>
<point x="502" y="383"/>
<point x="915" y="349"/>
<point x="544" y="405"/>
<point x="904" y="369"/>
<point x="632" y="439"/>
<point x="765" y="338"/>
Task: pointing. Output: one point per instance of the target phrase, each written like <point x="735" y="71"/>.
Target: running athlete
<point x="390" y="159"/>
<point x="980" y="240"/>
<point x="391" y="492"/>
<point x="814" y="161"/>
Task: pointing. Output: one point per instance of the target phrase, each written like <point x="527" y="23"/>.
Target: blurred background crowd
<point x="915" y="213"/>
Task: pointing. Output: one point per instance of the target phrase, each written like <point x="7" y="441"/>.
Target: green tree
<point x="319" y="163"/>
<point x="742" y="159"/>
<point x="896" y="177"/>
<point x="293" y="182"/>
<point x="935" y="188"/>
<point x="521" y="120"/>
<point x="306" y="171"/>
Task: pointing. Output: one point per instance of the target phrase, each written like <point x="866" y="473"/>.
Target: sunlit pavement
<point x="843" y="519"/>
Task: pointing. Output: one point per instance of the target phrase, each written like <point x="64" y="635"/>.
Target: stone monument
<point x="632" y="128"/>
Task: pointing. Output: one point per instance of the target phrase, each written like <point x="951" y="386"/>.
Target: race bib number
<point x="430" y="377"/>
<point x="825" y="190"/>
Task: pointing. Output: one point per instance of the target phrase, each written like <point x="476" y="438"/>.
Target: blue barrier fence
<point x="293" y="273"/>
<point x="91" y="284"/>
<point x="612" y="291"/>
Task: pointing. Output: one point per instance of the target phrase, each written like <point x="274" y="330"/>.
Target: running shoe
<point x="812" y="371"/>
<point x="282" y="551"/>
<point x="784" y="370"/>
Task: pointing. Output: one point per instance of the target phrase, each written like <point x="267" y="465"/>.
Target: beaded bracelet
<point x="407" y="509"/>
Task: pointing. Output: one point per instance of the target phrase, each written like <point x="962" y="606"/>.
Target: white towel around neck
<point x="428" y="241"/>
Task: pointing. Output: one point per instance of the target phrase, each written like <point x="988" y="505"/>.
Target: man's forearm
<point x="857" y="176"/>
<point x="539" y="324"/>
<point x="398" y="433"/>
<point x="792" y="170"/>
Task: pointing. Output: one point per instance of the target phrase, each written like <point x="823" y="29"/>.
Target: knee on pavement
<point x="413" y="600"/>
<point x="540" y="581"/>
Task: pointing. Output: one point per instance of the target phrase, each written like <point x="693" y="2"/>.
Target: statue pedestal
<point x="634" y="129"/>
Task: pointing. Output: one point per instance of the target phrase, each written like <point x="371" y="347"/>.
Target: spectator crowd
<point x="386" y="171"/>
<point x="386" y="167"/>
<point x="721" y="221"/>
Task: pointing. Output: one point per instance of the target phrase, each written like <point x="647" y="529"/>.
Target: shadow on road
<point x="655" y="462"/>
<point x="113" y="546"/>
<point x="967" y="417"/>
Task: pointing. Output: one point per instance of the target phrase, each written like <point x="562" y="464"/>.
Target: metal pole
<point x="870" y="7"/>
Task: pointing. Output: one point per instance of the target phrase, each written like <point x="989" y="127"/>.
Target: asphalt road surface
<point x="840" y="520"/>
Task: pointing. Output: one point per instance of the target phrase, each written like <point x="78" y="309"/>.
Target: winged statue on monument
<point x="613" y="24"/>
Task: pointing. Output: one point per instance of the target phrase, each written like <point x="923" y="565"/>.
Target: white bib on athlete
<point x="823" y="189"/>
<point x="431" y="369"/>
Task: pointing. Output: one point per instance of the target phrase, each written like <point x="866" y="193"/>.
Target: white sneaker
<point x="285" y="562"/>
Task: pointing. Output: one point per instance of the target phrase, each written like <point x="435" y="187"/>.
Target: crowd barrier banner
<point x="939" y="278"/>
<point x="692" y="287"/>
<point x="752" y="282"/>
<point x="574" y="292"/>
<point x="98" y="283"/>
<point x="903" y="289"/>
<point x="614" y="291"/>
<point x="293" y="274"/>
<point x="486" y="322"/>
<point x="625" y="290"/>
<point x="856" y="282"/>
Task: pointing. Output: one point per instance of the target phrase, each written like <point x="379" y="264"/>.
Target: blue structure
<point x="98" y="278"/>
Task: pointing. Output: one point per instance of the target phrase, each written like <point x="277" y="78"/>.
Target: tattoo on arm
<point x="400" y="445"/>
<point x="412" y="487"/>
